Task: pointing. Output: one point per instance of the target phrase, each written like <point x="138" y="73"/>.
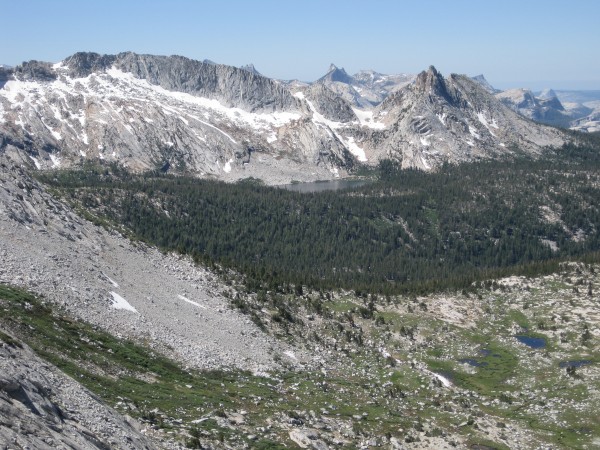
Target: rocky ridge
<point x="167" y="113"/>
<point x="184" y="116"/>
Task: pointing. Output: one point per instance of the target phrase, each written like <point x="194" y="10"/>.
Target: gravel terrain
<point x="131" y="291"/>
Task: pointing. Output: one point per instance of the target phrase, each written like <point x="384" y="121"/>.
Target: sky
<point x="528" y="43"/>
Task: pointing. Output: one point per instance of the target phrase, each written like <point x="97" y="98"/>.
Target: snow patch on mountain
<point x="185" y="299"/>
<point x="355" y="149"/>
<point x="38" y="166"/>
<point x="331" y="126"/>
<point x="255" y="120"/>
<point x="55" y="160"/>
<point x="111" y="281"/>
<point x="120" y="303"/>
<point x="473" y="132"/>
<point x="486" y="123"/>
<point x="365" y="118"/>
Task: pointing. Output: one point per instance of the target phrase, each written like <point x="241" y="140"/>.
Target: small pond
<point x="320" y="186"/>
<point x="530" y="341"/>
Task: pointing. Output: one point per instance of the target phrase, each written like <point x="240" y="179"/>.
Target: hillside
<point x="511" y="364"/>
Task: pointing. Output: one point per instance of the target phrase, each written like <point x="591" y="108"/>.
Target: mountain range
<point x="198" y="117"/>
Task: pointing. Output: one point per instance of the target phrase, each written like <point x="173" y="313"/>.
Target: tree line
<point x="406" y="231"/>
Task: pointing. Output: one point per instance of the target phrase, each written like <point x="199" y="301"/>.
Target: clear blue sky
<point x="526" y="43"/>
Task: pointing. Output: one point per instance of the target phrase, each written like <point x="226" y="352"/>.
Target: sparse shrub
<point x="365" y="313"/>
<point x="572" y="371"/>
<point x="435" y="432"/>
<point x="220" y="413"/>
<point x="585" y="335"/>
<point x="194" y="440"/>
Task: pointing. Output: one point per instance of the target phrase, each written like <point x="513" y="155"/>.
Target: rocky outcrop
<point x="329" y="104"/>
<point x="83" y="64"/>
<point x="42" y="408"/>
<point x="431" y="82"/>
<point x="5" y="74"/>
<point x="250" y="68"/>
<point x="34" y="71"/>
<point x="231" y="85"/>
<point x="454" y="119"/>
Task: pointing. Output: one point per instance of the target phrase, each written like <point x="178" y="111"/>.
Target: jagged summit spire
<point x="431" y="81"/>
<point x="336" y="74"/>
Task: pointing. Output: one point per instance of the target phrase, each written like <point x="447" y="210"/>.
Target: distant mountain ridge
<point x="485" y="84"/>
<point x="364" y="89"/>
<point x="186" y="116"/>
<point x="336" y="74"/>
<point x="548" y="108"/>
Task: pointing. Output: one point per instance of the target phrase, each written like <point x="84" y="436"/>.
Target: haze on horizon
<point x="534" y="44"/>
